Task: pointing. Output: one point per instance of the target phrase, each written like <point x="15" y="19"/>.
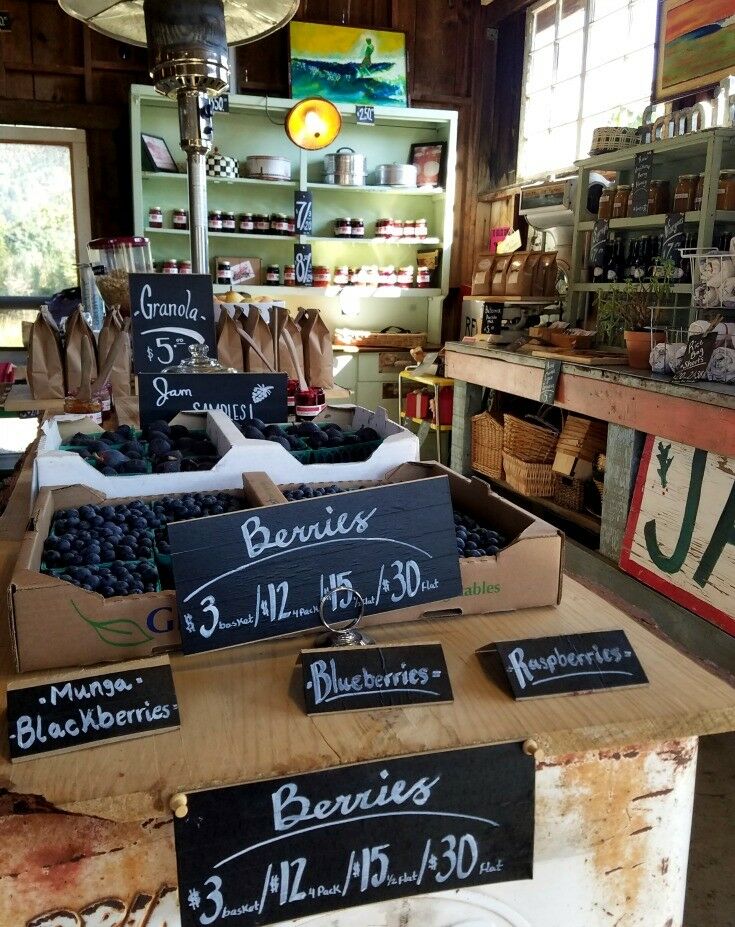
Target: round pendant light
<point x="313" y="123"/>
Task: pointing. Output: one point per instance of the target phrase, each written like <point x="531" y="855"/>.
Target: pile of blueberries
<point x="160" y="448"/>
<point x="304" y="491"/>
<point x="191" y="505"/>
<point x="304" y="436"/>
<point x="474" y="540"/>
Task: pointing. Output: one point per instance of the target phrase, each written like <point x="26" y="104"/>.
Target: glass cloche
<point x="199" y="362"/>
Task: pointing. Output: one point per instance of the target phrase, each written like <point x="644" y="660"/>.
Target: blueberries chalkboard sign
<point x="303" y="212"/>
<point x="169" y="313"/>
<point x="303" y="269"/>
<point x="569" y="663"/>
<point x="273" y="850"/>
<point x="697" y="355"/>
<point x="492" y="318"/>
<point x="238" y="395"/>
<point x="355" y="678"/>
<point x="673" y="238"/>
<point x="247" y="576"/>
<point x="642" y="173"/>
<point x="549" y="381"/>
<point x="91" y="706"/>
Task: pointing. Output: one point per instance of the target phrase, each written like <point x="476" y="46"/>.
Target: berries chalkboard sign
<point x="269" y="851"/>
<point x="169" y="313"/>
<point x="238" y="395"/>
<point x="248" y="576"/>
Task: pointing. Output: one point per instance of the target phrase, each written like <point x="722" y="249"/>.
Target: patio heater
<point x="187" y="53"/>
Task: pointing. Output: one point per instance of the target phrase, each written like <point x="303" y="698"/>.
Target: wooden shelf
<point x="600" y="287"/>
<point x="410" y="242"/>
<point x="657" y="221"/>
<point x="245" y="181"/>
<point x="434" y="192"/>
<point x="581" y="519"/>
<point x="425" y="421"/>
<point x="426" y="378"/>
<point x="277" y="239"/>
<point x="360" y="291"/>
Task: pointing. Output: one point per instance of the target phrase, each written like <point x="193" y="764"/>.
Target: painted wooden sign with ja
<point x="680" y="537"/>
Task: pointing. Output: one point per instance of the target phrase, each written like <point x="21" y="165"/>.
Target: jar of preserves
<point x="224" y="273"/>
<point x="322" y="275"/>
<point x="279" y="223"/>
<point x="358" y="228"/>
<point x="343" y="227"/>
<point x="341" y="275"/>
<point x="659" y="197"/>
<point x="246" y="222"/>
<point x="180" y="219"/>
<point x="184" y="267"/>
<point x="409" y="228"/>
<point x="309" y="403"/>
<point x="387" y="276"/>
<point x="229" y="223"/>
<point x="423" y="277"/>
<point x="422" y="230"/>
<point x="699" y="193"/>
<point x="685" y="192"/>
<point x="262" y="223"/>
<point x="155" y="217"/>
<point x="215" y="221"/>
<point x="170" y="266"/>
<point x="396" y="229"/>
<point x="273" y="275"/>
<point x="620" y="201"/>
<point x="291" y="220"/>
<point x="607" y="197"/>
<point x="289" y="275"/>
<point x="404" y="277"/>
<point x="381" y="228"/>
<point x="726" y="190"/>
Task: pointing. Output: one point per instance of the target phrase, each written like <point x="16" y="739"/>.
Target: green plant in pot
<point x="627" y="313"/>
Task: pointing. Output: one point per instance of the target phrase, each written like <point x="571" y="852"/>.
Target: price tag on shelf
<point x="303" y="270"/>
<point x="365" y="115"/>
<point x="248" y="576"/>
<point x="303" y="212"/>
<point x="277" y="849"/>
<point x="221" y="104"/>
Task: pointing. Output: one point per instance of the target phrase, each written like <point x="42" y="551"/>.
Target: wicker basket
<point x="568" y="492"/>
<point x="487" y="445"/>
<point x="528" y="442"/>
<point x="530" y="479"/>
<point x="613" y="138"/>
<point x="600" y="484"/>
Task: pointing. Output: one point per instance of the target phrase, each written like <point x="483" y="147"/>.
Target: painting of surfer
<point x="696" y="45"/>
<point x="348" y="65"/>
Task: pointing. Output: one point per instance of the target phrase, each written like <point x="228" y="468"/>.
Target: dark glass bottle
<point x="631" y="258"/>
<point x="599" y="266"/>
<point x="616" y="264"/>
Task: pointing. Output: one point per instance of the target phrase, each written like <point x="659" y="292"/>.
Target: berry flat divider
<point x="259" y="574"/>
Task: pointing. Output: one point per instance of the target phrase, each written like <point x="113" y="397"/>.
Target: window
<point x="589" y="63"/>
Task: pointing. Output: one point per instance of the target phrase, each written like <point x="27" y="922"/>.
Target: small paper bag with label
<point x="291" y="351"/>
<point x="45" y="371"/>
<point x="229" y="343"/>
<point x="78" y="331"/>
<point x="258" y="355"/>
<point x="316" y="340"/>
<point x="120" y="371"/>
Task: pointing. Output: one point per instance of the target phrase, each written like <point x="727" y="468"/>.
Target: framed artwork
<point x="430" y="158"/>
<point x="695" y="47"/>
<point x="155" y="155"/>
<point x="347" y="64"/>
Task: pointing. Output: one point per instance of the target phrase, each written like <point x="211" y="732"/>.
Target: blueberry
<point x="63" y="545"/>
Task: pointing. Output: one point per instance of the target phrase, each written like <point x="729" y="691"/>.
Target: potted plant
<point x="628" y="312"/>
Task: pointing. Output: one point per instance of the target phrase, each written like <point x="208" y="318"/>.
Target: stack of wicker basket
<point x="528" y="452"/>
<point x="487" y="444"/>
<point x="581" y="441"/>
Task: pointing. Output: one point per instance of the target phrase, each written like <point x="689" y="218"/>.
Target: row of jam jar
<point x="277" y="223"/>
<point x="616" y="201"/>
<point x="345" y="227"/>
<point x="172" y="266"/>
<point x="367" y="275"/>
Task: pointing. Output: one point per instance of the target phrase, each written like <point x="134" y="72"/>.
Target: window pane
<point x="628" y="114"/>
<point x="602" y="88"/>
<point x="37" y="240"/>
<point x="535" y="155"/>
<point x="544" y="26"/>
<point x="566" y="101"/>
<point x="601" y="8"/>
<point x="642" y="24"/>
<point x="569" y="56"/>
<point x="572" y="16"/>
<point x="562" y="146"/>
<point x="541" y="69"/>
<point x="538" y="113"/>
<point x="608" y="38"/>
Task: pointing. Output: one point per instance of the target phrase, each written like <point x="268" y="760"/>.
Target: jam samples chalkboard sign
<point x="247" y="576"/>
<point x="273" y="850"/>
<point x="170" y="313"/>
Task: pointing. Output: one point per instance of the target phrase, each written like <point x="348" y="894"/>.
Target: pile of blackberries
<point x="474" y="540"/>
<point x="174" y="449"/>
<point x="307" y="435"/>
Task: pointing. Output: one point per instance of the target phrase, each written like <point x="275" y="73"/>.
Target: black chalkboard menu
<point x="673" y="238"/>
<point x="247" y="576"/>
<point x="549" y="381"/>
<point x="91" y="706"/>
<point x="598" y="244"/>
<point x="277" y="849"/>
<point x="170" y="312"/>
<point x="697" y="356"/>
<point x="642" y="173"/>
<point x="303" y="268"/>
<point x="303" y="212"/>
<point x="492" y="318"/>
<point x="238" y="395"/>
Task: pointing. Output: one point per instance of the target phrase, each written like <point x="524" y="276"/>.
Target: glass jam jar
<point x="396" y="229"/>
<point x="341" y="275"/>
<point x="246" y="222"/>
<point x="343" y="227"/>
<point x="309" y="402"/>
<point x="322" y="275"/>
<point x="659" y="197"/>
<point x="291" y="220"/>
<point x="273" y="275"/>
<point x="605" y="206"/>
<point x="387" y="276"/>
<point x="184" y="267"/>
<point x="229" y="223"/>
<point x="404" y="277"/>
<point x="357" y="228"/>
<point x="409" y="229"/>
<point x="262" y="223"/>
<point x="289" y="275"/>
<point x="726" y="190"/>
<point x="224" y="273"/>
<point x="422" y="230"/>
<point x="170" y="266"/>
<point x="423" y="277"/>
<point x="620" y="201"/>
<point x="699" y="193"/>
<point x="215" y="221"/>
<point x="279" y="223"/>
<point x="180" y="219"/>
<point x="685" y="192"/>
<point x="155" y="217"/>
<point x="382" y="227"/>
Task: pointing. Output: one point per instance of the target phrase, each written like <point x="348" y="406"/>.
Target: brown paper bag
<point x="119" y="375"/>
<point x="229" y="343"/>
<point x="316" y="342"/>
<point x="258" y="354"/>
<point x="291" y="351"/>
<point x="78" y="331"/>
<point x="45" y="370"/>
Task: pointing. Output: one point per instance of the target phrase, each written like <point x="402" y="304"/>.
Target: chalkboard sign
<point x="247" y="576"/>
<point x="277" y="849"/>
<point x="598" y="243"/>
<point x="303" y="212"/>
<point x="6" y="21"/>
<point x="356" y="678"/>
<point x="303" y="269"/>
<point x="221" y="104"/>
<point x="492" y="318"/>
<point x="170" y="313"/>
<point x="642" y="173"/>
<point x="238" y="395"/>
<point x="72" y="712"/>
<point x="673" y="238"/>
<point x="365" y="115"/>
<point x="549" y="381"/>
<point x="697" y="356"/>
<point x="570" y="663"/>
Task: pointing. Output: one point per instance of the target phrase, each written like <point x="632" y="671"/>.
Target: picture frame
<point x="155" y="155"/>
<point x="430" y="160"/>
<point x="689" y="36"/>
<point x="348" y="64"/>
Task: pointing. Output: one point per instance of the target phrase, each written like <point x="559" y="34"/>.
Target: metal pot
<point x="268" y="167"/>
<point x="396" y="175"/>
<point x="345" y="167"/>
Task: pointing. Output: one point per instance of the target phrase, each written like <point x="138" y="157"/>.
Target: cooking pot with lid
<point x="396" y="175"/>
<point x="345" y="167"/>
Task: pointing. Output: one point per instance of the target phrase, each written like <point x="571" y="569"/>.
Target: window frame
<point x="76" y="141"/>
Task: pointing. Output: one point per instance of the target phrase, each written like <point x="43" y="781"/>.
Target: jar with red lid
<point x="229" y="223"/>
<point x="155" y="217"/>
<point x="310" y="402"/>
<point x="341" y="275"/>
<point x="291" y="225"/>
<point x="273" y="275"/>
<point x="404" y="277"/>
<point x="279" y="223"/>
<point x="358" y="228"/>
<point x="409" y="229"/>
<point x="382" y="227"/>
<point x="292" y="387"/>
<point x="262" y="223"/>
<point x="387" y="276"/>
<point x="396" y="229"/>
<point x="246" y="222"/>
<point x="184" y="267"/>
<point x="343" y="227"/>
<point x="322" y="275"/>
<point x="224" y="273"/>
<point x="215" y="220"/>
<point x="180" y="219"/>
<point x="422" y="230"/>
<point x="423" y="277"/>
<point x="289" y="275"/>
<point x="170" y="267"/>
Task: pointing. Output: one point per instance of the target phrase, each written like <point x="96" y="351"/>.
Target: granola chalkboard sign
<point x="276" y="849"/>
